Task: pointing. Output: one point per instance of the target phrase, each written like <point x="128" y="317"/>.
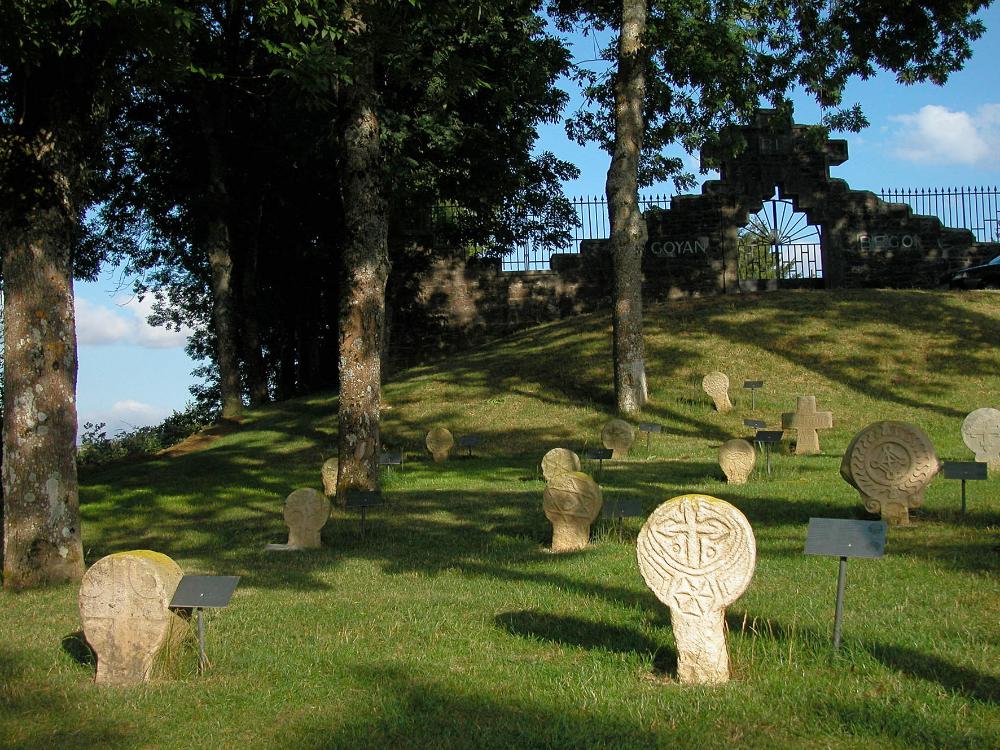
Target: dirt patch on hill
<point x="201" y="440"/>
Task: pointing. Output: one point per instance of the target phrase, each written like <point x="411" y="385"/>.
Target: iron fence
<point x="974" y="208"/>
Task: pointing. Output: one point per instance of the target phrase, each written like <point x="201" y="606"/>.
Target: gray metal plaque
<point x="649" y="427"/>
<point x="204" y="591"/>
<point x="964" y="470"/>
<point x="753" y="384"/>
<point x="768" y="436"/>
<point x="757" y="424"/>
<point x="469" y="441"/>
<point x="363" y="498"/>
<point x="628" y="508"/>
<point x="839" y="537"/>
<point x="391" y="458"/>
<point x="598" y="453"/>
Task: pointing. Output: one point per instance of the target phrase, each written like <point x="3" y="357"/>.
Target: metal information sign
<point x="469" y="442"/>
<point x="598" y="454"/>
<point x="752" y="386"/>
<point x="964" y="470"/>
<point x="844" y="538"/>
<point x="391" y="458"/>
<point x="767" y="438"/>
<point x="756" y="424"/>
<point x="362" y="499"/>
<point x="649" y="428"/>
<point x="199" y="593"/>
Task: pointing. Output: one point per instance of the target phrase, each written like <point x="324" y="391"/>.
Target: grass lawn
<point x="450" y="625"/>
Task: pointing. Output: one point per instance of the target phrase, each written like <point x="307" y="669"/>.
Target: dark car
<point x="986" y="276"/>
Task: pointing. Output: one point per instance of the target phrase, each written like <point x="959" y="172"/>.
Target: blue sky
<point x="920" y="136"/>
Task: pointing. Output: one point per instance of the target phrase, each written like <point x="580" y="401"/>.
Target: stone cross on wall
<point x="806" y="421"/>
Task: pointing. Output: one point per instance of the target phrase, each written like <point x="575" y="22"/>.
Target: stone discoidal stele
<point x="737" y="458"/>
<point x="439" y="442"/>
<point x="716" y="385"/>
<point x="618" y="436"/>
<point x="697" y="553"/>
<point x="306" y="512"/>
<point x="329" y="473"/>
<point x="571" y="502"/>
<point x="559" y="461"/>
<point x="123" y="606"/>
<point x="890" y="464"/>
<point x="981" y="434"/>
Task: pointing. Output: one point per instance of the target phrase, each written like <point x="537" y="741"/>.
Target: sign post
<point x="619" y="510"/>
<point x="363" y="499"/>
<point x="199" y="593"/>
<point x="391" y="458"/>
<point x="649" y="429"/>
<point x="767" y="438"/>
<point x="964" y="470"/>
<point x="752" y="386"/>
<point x="598" y="454"/>
<point x="843" y="538"/>
<point x="469" y="442"/>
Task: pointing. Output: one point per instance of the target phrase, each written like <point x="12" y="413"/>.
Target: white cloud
<point x="937" y="135"/>
<point x="125" y="323"/>
<point x="125" y="415"/>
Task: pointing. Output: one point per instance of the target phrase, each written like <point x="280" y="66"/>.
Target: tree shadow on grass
<point x="587" y="634"/>
<point x="428" y="711"/>
<point x="965" y="681"/>
<point x="36" y="714"/>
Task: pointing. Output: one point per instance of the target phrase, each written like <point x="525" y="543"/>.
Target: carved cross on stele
<point x="696" y="537"/>
<point x="806" y="420"/>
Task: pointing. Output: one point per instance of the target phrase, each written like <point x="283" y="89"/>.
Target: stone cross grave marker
<point x="618" y="436"/>
<point x="806" y="421"/>
<point x="306" y="512"/>
<point x="439" y="442"/>
<point x="559" y="461"/>
<point x="571" y="502"/>
<point x="329" y="473"/>
<point x="716" y="385"/>
<point x="737" y="458"/>
<point x="890" y="464"/>
<point x="697" y="553"/>
<point x="981" y="433"/>
<point x="123" y="606"/>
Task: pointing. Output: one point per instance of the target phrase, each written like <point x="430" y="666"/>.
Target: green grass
<point x="450" y="625"/>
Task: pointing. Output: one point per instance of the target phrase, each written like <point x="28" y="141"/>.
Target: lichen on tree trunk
<point x="41" y="506"/>
<point x="628" y="229"/>
<point x="366" y="269"/>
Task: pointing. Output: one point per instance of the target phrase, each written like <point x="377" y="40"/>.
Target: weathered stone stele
<point x="439" y="442"/>
<point x="306" y="512"/>
<point x="618" y="436"/>
<point x="805" y="420"/>
<point x="123" y="606"/>
<point x="981" y="433"/>
<point x="329" y="472"/>
<point x="716" y="385"/>
<point x="571" y="502"/>
<point x="559" y="461"/>
<point x="737" y="458"/>
<point x="890" y="464"/>
<point x="697" y="553"/>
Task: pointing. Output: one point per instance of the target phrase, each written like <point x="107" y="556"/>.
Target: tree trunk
<point x="41" y="504"/>
<point x="253" y="354"/>
<point x="628" y="229"/>
<point x="366" y="269"/>
<point x="218" y="247"/>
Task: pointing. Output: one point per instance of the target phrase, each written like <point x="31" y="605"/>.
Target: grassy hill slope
<point x="450" y="625"/>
